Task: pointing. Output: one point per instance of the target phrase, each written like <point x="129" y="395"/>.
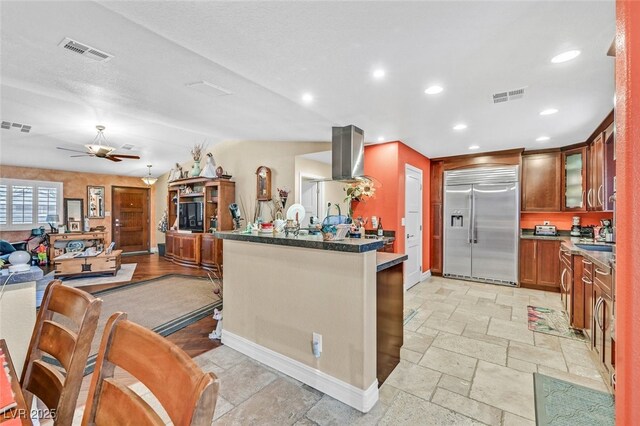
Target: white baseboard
<point x="425" y="275"/>
<point x="362" y="400"/>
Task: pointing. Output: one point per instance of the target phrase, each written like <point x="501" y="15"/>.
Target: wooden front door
<point x="130" y="223"/>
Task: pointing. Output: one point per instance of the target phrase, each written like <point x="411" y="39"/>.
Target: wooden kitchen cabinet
<point x="596" y="192"/>
<point x="437" y="175"/>
<point x="566" y="281"/>
<point x="574" y="179"/>
<point x="539" y="264"/>
<point x="587" y="281"/>
<point x="541" y="181"/>
<point x="603" y="315"/>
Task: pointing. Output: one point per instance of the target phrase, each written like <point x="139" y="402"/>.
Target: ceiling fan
<point x="101" y="150"/>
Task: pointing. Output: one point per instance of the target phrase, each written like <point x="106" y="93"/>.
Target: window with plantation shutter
<point x="21" y="204"/>
<point x="25" y="204"/>
<point x="3" y="204"/>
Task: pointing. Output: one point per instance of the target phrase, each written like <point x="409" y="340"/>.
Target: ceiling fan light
<point x="96" y="148"/>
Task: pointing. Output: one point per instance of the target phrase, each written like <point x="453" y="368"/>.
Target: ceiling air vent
<point x="127" y="146"/>
<point x="85" y="50"/>
<point x="7" y="125"/>
<point x="510" y="95"/>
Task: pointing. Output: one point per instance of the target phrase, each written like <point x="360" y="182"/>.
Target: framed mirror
<point x="74" y="214"/>
<point x="95" y="202"/>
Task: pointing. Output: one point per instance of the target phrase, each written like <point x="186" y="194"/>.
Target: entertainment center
<point x="196" y="206"/>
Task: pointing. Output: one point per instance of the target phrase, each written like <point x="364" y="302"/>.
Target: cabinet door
<point x="574" y="179"/>
<point x="598" y="322"/>
<point x="548" y="264"/>
<point x="596" y="192"/>
<point x="209" y="255"/>
<point x="541" y="182"/>
<point x="587" y="280"/>
<point x="436" y="238"/>
<point x="578" y="295"/>
<point x="188" y="249"/>
<point x="528" y="261"/>
<point x="607" y="317"/>
<point x="169" y="245"/>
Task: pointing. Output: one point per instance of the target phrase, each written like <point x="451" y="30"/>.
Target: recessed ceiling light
<point x="380" y="138"/>
<point x="472" y="147"/>
<point x="433" y="90"/>
<point x="379" y="74"/>
<point x="565" y="56"/>
<point x="548" y="111"/>
<point x="307" y="98"/>
<point x="543" y="139"/>
<point x="460" y="126"/>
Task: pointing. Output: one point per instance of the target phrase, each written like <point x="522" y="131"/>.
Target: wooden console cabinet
<point x="539" y="264"/>
<point x="200" y="248"/>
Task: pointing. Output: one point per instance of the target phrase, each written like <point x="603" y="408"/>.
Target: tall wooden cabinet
<point x="199" y="248"/>
<point x="437" y="171"/>
<point x="574" y="179"/>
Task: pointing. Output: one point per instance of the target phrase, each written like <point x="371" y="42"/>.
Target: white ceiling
<point x="269" y="53"/>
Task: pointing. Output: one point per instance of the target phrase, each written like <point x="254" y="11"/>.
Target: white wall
<point x="333" y="192"/>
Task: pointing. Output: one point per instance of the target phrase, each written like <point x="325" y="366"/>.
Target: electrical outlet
<point x="317" y="344"/>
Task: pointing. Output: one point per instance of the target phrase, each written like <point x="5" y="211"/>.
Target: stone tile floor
<point x="468" y="359"/>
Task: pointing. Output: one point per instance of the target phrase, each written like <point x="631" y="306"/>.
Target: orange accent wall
<point x="627" y="114"/>
<point x="75" y="186"/>
<point x="386" y="163"/>
<point x="562" y="220"/>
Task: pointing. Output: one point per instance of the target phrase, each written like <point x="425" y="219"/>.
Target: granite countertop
<point x="602" y="259"/>
<point x="387" y="260"/>
<point x="351" y="245"/>
<point x="33" y="274"/>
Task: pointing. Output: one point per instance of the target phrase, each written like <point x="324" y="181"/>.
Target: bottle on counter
<point x="380" y="230"/>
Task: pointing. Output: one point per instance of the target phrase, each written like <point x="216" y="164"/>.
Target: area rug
<point x="560" y="403"/>
<point x="550" y="321"/>
<point x="408" y="315"/>
<point x="123" y="275"/>
<point x="164" y="305"/>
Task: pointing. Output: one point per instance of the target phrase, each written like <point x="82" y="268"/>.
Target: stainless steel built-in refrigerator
<point x="481" y="224"/>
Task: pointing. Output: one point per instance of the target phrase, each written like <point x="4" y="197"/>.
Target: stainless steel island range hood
<point x="347" y="153"/>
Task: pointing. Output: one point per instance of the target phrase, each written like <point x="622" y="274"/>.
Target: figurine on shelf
<point x="176" y="173"/>
<point x="209" y="170"/>
<point x="42" y="254"/>
<point x="217" y="313"/>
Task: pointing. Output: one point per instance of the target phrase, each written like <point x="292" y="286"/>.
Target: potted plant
<point x="163" y="225"/>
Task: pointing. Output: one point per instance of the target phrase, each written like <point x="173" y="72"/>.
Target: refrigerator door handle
<point x="473" y="216"/>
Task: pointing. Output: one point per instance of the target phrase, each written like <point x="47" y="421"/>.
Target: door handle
<point x="586" y="280"/>
<point x="564" y="271"/>
<point x="601" y="199"/>
<point x="470" y="218"/>
<point x="409" y="235"/>
<point x="598" y="306"/>
<point x="589" y="204"/>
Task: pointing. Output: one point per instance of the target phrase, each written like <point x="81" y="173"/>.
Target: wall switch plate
<point x="107" y="214"/>
<point x="402" y="222"/>
<point x="317" y="344"/>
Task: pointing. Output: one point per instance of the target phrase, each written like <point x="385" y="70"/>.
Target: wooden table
<point x="90" y="265"/>
<point x="20" y="411"/>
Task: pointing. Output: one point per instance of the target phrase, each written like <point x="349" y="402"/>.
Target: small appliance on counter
<point x="606" y="230"/>
<point x="575" y="228"/>
<point x="545" y="231"/>
<point x="587" y="232"/>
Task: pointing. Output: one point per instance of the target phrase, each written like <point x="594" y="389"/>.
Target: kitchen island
<point x="279" y="291"/>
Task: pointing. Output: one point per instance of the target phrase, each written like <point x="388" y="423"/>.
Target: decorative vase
<point x="353" y="205"/>
<point x="195" y="169"/>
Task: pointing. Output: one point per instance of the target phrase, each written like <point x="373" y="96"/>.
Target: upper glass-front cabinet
<point x="574" y="179"/>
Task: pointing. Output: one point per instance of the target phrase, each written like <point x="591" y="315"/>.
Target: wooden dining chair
<point x="66" y="340"/>
<point x="187" y="394"/>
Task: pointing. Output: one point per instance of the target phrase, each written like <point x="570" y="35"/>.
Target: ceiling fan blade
<point x="72" y="150"/>
<point x="82" y="155"/>
<point x="108" y="157"/>
<point x="133" y="157"/>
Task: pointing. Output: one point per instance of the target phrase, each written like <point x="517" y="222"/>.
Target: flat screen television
<point x="191" y="217"/>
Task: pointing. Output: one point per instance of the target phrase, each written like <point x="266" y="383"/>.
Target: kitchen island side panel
<point x="277" y="296"/>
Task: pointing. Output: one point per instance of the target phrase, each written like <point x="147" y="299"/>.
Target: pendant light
<point x="100" y="144"/>
<point x="149" y="180"/>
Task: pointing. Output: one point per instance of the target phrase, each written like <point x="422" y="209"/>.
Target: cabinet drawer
<point x="602" y="278"/>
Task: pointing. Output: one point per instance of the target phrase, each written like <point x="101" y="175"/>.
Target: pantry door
<point x="130" y="218"/>
<point x="413" y="226"/>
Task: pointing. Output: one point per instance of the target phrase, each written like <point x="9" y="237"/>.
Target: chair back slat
<point x="46" y="382"/>
<point x="70" y="302"/>
<point x="58" y="341"/>
<point x="187" y="394"/>
<point x="119" y="405"/>
<point x="57" y="390"/>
